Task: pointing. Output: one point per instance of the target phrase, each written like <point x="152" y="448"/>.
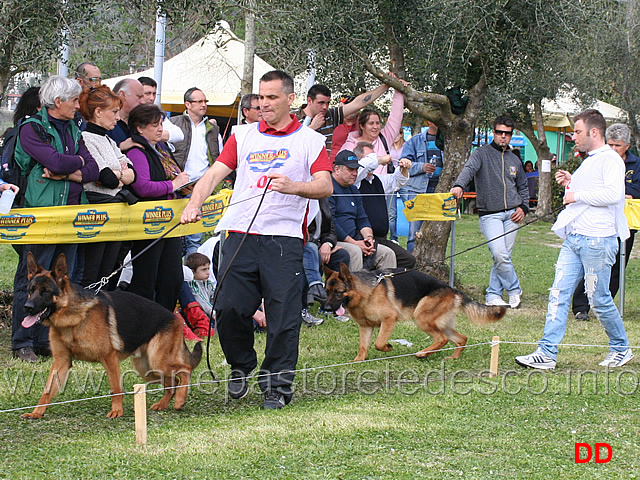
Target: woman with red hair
<point x="100" y="108"/>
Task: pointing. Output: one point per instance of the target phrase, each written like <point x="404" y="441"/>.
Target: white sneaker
<point x="537" y="359"/>
<point x="617" y="359"/>
<point x="497" y="302"/>
<point x="514" y="300"/>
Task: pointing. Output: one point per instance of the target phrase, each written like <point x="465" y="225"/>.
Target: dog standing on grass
<point x="381" y="298"/>
<point x="106" y="328"/>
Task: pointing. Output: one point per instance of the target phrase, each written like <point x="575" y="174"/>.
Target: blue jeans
<point x="414" y="227"/>
<point x="392" y="208"/>
<point x="191" y="243"/>
<point x="591" y="258"/>
<point x="311" y="264"/>
<point x="503" y="276"/>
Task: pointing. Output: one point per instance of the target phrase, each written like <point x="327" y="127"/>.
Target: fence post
<point x="495" y="356"/>
<point x="140" y="412"/>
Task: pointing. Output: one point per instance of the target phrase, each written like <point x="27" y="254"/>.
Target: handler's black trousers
<point x="268" y="267"/>
<point x="157" y="273"/>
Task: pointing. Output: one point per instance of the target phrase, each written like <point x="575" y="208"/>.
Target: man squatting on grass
<point x="589" y="225"/>
<point x="269" y="263"/>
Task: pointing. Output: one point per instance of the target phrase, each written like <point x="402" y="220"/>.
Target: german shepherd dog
<point x="381" y="298"/>
<point x="106" y="328"/>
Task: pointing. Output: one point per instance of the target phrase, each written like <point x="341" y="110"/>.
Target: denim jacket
<point x="416" y="150"/>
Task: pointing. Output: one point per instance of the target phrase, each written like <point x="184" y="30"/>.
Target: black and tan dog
<point x="106" y="328"/>
<point x="381" y="298"/>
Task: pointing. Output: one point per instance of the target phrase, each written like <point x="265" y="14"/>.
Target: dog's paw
<point x="115" y="413"/>
<point x="159" y="406"/>
<point x="32" y="415"/>
<point x="359" y="358"/>
<point x="384" y="348"/>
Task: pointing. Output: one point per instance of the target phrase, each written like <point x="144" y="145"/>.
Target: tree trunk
<point x="543" y="152"/>
<point x="539" y="143"/>
<point x="5" y="77"/>
<point x="249" y="48"/>
<point x="459" y="132"/>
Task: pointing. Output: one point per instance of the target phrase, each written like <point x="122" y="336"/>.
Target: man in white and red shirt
<point x="294" y="160"/>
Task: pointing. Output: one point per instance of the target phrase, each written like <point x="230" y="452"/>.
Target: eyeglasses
<point x="198" y="101"/>
<point x="253" y="108"/>
<point x="94" y="79"/>
<point x="503" y="132"/>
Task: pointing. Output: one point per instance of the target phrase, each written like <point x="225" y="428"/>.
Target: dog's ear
<point x="33" y="267"/>
<point x="60" y="269"/>
<point x="327" y="271"/>
<point x="345" y="276"/>
<point x="344" y="271"/>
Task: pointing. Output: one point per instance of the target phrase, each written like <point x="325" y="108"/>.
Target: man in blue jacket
<point x="424" y="174"/>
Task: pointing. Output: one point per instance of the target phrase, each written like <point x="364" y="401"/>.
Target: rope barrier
<point x="493" y="343"/>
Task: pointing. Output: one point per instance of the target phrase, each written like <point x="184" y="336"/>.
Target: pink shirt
<point x="390" y="131"/>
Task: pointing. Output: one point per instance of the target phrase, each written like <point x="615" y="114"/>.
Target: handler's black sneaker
<point x="275" y="401"/>
<point x="26" y="354"/>
<point x="238" y="386"/>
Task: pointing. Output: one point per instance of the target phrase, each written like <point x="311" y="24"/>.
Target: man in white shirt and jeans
<point x="590" y="225"/>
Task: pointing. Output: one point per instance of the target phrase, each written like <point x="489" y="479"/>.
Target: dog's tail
<point x="479" y="313"/>
<point x="195" y="356"/>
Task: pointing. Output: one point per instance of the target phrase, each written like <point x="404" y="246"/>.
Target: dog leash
<point x="212" y="320"/>
<point x="105" y="280"/>
<point x="381" y="276"/>
<point x="526" y="224"/>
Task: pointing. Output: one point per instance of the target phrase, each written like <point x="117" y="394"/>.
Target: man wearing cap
<point x="317" y="114"/>
<point x="354" y="230"/>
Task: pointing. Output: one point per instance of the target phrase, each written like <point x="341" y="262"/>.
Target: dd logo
<point x="597" y="447"/>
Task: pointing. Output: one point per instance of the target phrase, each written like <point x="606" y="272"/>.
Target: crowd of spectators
<point x="82" y="142"/>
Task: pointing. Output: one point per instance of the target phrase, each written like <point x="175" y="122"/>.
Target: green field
<point x="393" y="417"/>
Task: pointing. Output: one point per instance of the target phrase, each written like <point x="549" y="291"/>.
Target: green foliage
<point x="557" y="192"/>
<point x="29" y="36"/>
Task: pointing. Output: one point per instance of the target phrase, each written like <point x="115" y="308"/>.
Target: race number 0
<point x="262" y="181"/>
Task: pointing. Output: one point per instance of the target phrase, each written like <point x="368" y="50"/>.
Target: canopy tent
<point x="557" y="113"/>
<point x="214" y="64"/>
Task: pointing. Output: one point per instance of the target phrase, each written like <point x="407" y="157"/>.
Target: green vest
<point x="43" y="192"/>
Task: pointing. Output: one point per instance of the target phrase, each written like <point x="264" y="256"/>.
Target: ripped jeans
<point x="592" y="258"/>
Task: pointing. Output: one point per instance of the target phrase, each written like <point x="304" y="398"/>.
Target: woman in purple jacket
<point x="157" y="274"/>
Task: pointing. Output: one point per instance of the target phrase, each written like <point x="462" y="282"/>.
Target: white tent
<point x="214" y="64"/>
<point x="557" y="112"/>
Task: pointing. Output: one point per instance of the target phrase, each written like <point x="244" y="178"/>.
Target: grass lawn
<point x="394" y="417"/>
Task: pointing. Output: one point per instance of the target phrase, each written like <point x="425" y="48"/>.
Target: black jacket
<point x="327" y="228"/>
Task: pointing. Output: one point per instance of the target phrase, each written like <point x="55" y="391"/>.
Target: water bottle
<point x="433" y="161"/>
<point x="6" y="201"/>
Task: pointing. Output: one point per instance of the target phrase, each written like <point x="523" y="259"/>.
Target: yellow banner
<point x="632" y="212"/>
<point x="106" y="222"/>
<point x="435" y="207"/>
